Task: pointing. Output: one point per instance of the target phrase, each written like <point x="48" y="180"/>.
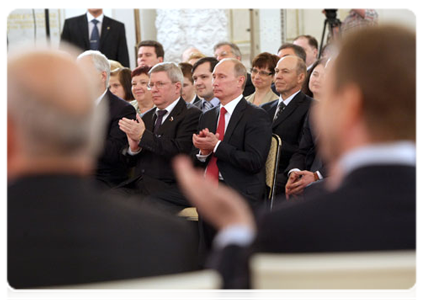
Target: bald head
<point x="50" y="79"/>
<point x="290" y="73"/>
<point x="50" y="107"/>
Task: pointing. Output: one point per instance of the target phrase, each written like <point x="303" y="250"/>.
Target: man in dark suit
<point x="306" y="165"/>
<point x="235" y="137"/>
<point x="233" y="141"/>
<point x="230" y="50"/>
<point x="288" y="113"/>
<point x="61" y="229"/>
<point x="95" y="31"/>
<point x="371" y="206"/>
<point x="162" y="133"/>
<point x="111" y="168"/>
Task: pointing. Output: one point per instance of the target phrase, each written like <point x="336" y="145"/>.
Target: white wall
<point x="270" y="35"/>
<point x="402" y="16"/>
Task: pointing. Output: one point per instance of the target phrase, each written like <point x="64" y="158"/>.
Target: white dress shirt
<point x="91" y="24"/>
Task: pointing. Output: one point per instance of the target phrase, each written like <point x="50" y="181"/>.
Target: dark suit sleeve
<point x="298" y="159"/>
<point x="116" y="139"/>
<point x="257" y="136"/>
<point x="123" y="56"/>
<point x="170" y="147"/>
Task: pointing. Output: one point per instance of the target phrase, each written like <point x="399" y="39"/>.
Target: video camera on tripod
<point x="332" y="21"/>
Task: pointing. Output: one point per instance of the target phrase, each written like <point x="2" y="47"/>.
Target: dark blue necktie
<point x="95" y="36"/>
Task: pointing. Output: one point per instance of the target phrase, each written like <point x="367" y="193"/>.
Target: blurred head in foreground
<point x="53" y="125"/>
<point x="370" y="95"/>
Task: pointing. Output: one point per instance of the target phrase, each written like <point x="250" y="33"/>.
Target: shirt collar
<point x="170" y="107"/>
<point x="215" y="101"/>
<point x="98" y="100"/>
<point x="230" y="107"/>
<point x="99" y="18"/>
<point x="289" y="99"/>
<point x="398" y="153"/>
<point x="193" y="99"/>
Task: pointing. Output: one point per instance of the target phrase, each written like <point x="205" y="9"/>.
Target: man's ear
<point x="241" y="80"/>
<point x="352" y="103"/>
<point x="179" y="86"/>
<point x="104" y="76"/>
<point x="160" y="59"/>
<point x="301" y="77"/>
<point x="315" y="52"/>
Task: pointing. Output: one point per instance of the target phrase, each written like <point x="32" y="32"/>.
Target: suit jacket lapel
<point x="105" y="28"/>
<point x="180" y="106"/>
<point x="84" y="30"/>
<point x="236" y="116"/>
<point x="289" y="109"/>
<point x="272" y="110"/>
<point x="212" y="117"/>
<point x="149" y="119"/>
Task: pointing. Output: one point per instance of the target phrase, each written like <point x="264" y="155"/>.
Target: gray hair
<point x="100" y="61"/>
<point x="234" y="48"/>
<point x="172" y="70"/>
<point x="47" y="127"/>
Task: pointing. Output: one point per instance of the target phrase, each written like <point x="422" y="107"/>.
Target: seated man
<point x="61" y="230"/>
<point x="202" y="75"/>
<point x="305" y="166"/>
<point x="372" y="203"/>
<point x="162" y="133"/>
<point x="111" y="169"/>
<point x="233" y="140"/>
<point x="289" y="112"/>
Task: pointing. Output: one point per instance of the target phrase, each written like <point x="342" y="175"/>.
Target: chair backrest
<point x="272" y="164"/>
<point x="348" y="270"/>
<point x="189" y="213"/>
<point x="201" y="285"/>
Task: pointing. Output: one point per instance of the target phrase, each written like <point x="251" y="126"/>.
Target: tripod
<point x="331" y="22"/>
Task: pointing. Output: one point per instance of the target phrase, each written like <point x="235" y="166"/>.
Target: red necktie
<point x="212" y="169"/>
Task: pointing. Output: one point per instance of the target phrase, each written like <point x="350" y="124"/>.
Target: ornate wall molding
<point x="177" y="29"/>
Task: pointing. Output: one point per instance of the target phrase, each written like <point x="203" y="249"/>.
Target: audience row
<point x="339" y="123"/>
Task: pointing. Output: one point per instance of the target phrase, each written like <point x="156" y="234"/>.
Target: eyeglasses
<point x="262" y="73"/>
<point x="159" y="85"/>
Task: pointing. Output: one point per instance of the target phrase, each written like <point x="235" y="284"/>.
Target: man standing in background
<point x="95" y="31"/>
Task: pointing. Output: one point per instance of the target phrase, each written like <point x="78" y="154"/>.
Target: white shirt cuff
<point x="292" y="170"/>
<point x="239" y="235"/>
<point x="320" y="175"/>
<point x="202" y="157"/>
<point x="215" y="147"/>
<point x="130" y="152"/>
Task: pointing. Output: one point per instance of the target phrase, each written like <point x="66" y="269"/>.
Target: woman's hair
<point x="264" y="60"/>
<point x="305" y="89"/>
<point x="124" y="77"/>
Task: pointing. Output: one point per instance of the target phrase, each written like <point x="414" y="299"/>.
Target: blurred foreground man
<point x="61" y="230"/>
<point x="367" y="127"/>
